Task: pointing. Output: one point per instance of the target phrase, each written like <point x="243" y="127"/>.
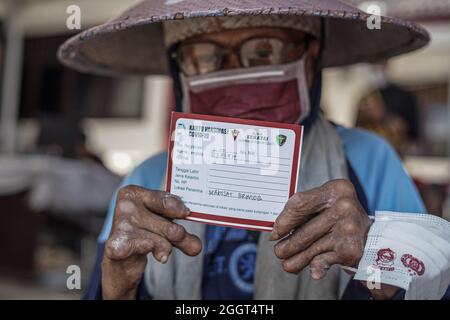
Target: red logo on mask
<point x="414" y="265"/>
<point x="385" y="259"/>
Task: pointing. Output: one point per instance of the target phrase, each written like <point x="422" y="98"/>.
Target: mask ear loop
<point x="315" y="93"/>
<point x="175" y="75"/>
<point x="303" y="90"/>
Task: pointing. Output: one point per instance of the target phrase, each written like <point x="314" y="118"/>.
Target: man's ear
<point x="311" y="60"/>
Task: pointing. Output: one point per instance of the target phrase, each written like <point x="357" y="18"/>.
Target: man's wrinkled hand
<point x="321" y="227"/>
<point x="143" y="224"/>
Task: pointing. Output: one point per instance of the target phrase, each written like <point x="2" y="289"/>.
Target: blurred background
<point x="67" y="138"/>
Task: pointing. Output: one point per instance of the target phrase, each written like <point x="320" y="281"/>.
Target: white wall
<point x="123" y="144"/>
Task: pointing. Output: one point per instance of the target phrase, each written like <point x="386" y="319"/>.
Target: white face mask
<point x="411" y="252"/>
<point x="434" y="234"/>
<point x="434" y="262"/>
<point x="273" y="93"/>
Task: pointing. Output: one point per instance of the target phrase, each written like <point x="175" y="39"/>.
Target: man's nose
<point x="231" y="61"/>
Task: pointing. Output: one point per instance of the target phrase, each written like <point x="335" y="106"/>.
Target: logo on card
<point x="235" y="134"/>
<point x="414" y="265"/>
<point x="281" y="139"/>
<point x="385" y="259"/>
<point x="181" y="126"/>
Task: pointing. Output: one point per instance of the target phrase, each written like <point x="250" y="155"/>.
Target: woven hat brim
<point x="133" y="43"/>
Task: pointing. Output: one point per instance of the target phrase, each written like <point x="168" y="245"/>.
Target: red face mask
<point x="277" y="102"/>
<point x="275" y="93"/>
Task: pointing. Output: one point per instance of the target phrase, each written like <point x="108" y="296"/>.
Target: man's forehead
<point x="286" y="34"/>
<point x="180" y="30"/>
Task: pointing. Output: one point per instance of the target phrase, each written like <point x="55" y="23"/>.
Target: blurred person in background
<point x="148" y="250"/>
<point x="390" y="111"/>
<point x="65" y="138"/>
<point x="64" y="194"/>
<point x="393" y="113"/>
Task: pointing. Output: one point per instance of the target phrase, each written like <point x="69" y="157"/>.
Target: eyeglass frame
<point x="236" y="50"/>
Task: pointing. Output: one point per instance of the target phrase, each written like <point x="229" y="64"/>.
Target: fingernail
<point x="274" y="236"/>
<point x="317" y="274"/>
<point x="163" y="259"/>
<point x="170" y="202"/>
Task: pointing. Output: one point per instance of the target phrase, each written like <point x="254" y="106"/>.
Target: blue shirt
<point x="231" y="253"/>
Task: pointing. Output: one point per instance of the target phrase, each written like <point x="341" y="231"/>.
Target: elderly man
<point x="148" y="250"/>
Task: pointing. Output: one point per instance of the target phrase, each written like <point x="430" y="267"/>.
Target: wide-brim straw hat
<point x="133" y="43"/>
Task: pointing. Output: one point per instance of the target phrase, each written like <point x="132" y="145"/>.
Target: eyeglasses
<point x="206" y="57"/>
